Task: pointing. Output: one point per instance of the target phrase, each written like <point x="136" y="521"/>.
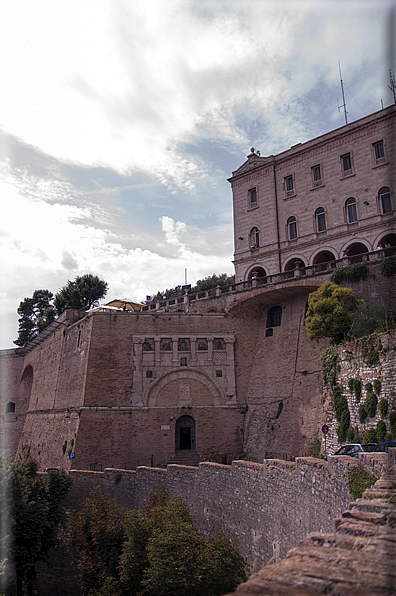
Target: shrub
<point x="362" y="413"/>
<point x="344" y="425"/>
<point x="381" y="431"/>
<point x="355" y="386"/>
<point x="388" y="267"/>
<point x="370" y="436"/>
<point x="340" y="404"/>
<point x="383" y="406"/>
<point x="367" y="319"/>
<point x="377" y="386"/>
<point x="358" y="481"/>
<point x="371" y="404"/>
<point x="353" y="435"/>
<point x="329" y="366"/>
<point x="392" y="422"/>
<point x="355" y="272"/>
<point x="329" y="312"/>
<point x="368" y="387"/>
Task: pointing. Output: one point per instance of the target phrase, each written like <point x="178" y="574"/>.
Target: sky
<point x="120" y="122"/>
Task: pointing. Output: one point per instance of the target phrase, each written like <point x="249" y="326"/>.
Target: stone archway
<point x="324" y="260"/>
<point x="356" y="251"/>
<point x="185" y="434"/>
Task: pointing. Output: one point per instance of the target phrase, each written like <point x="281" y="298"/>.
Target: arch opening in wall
<point x="351" y="210"/>
<point x="385" y="200"/>
<point x="324" y="260"/>
<point x="356" y="251"/>
<point x="292" y="228"/>
<point x="10" y="408"/>
<point x="274" y="319"/>
<point x="320" y="220"/>
<point x="254" y="238"/>
<point x="388" y="243"/>
<point x="258" y="273"/>
<point x="292" y="265"/>
<point x="185" y="434"/>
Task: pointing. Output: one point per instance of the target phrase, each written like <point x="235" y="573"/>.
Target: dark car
<point x="353" y="449"/>
<point x="384" y="446"/>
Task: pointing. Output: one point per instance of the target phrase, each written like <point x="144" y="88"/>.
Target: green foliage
<point x="370" y="318"/>
<point x="388" y="267"/>
<point x="340" y="403"/>
<point x="329" y="366"/>
<point x="355" y="386"/>
<point x="64" y="446"/>
<point x="36" y="313"/>
<point x="202" y="285"/>
<point x="30" y="506"/>
<point x="329" y="312"/>
<point x="372" y="358"/>
<point x="369" y="387"/>
<point x="94" y="536"/>
<point x="383" y="407"/>
<point x="353" y="273"/>
<point x="371" y="404"/>
<point x="358" y="481"/>
<point x="81" y="294"/>
<point x="152" y="553"/>
<point x="117" y="477"/>
<point x="392" y="422"/>
<point x="381" y="431"/>
<point x="370" y="436"/>
<point x="362" y="413"/>
<point x="377" y="386"/>
<point x="353" y="435"/>
<point x="344" y="425"/>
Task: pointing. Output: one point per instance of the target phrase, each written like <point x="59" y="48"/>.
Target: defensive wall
<point x="265" y="508"/>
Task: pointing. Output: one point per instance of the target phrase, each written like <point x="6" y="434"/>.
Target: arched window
<point x="320" y="217"/>
<point x="351" y="210"/>
<point x="292" y="228"/>
<point x="254" y="238"/>
<point x="274" y="316"/>
<point x="385" y="200"/>
<point x="10" y="408"/>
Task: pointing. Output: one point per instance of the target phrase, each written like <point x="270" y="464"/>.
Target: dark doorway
<point x="185" y="434"/>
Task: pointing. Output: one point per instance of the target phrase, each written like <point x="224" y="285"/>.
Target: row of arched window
<point x="320" y="220"/>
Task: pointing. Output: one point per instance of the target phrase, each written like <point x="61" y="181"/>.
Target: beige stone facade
<point x="316" y="202"/>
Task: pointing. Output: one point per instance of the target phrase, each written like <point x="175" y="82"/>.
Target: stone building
<point x="222" y="375"/>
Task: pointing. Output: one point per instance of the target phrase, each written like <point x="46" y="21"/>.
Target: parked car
<point x="353" y="449"/>
<point x="384" y="446"/>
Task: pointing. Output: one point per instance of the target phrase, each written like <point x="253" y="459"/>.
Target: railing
<point x="293" y="274"/>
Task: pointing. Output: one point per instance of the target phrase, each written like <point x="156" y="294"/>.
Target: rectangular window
<point x="252" y="197"/>
<point x="346" y="164"/>
<point x="379" y="152"/>
<point x="289" y="186"/>
<point x="316" y="176"/>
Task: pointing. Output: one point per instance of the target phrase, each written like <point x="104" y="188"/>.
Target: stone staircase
<point x="186" y="458"/>
<point x="357" y="560"/>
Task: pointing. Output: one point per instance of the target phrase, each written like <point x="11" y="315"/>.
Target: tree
<point x="208" y="283"/>
<point x="30" y="508"/>
<point x="36" y="313"/>
<point x="329" y="312"/>
<point x="155" y="552"/>
<point x="94" y="535"/>
<point x="81" y="294"/>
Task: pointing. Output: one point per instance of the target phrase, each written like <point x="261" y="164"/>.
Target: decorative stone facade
<point x="317" y="201"/>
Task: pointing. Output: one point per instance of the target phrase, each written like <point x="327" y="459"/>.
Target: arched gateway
<point x="185" y="434"/>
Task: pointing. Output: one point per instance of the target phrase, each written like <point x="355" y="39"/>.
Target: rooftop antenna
<point x="392" y="85"/>
<point x="185" y="275"/>
<point x="343" y="105"/>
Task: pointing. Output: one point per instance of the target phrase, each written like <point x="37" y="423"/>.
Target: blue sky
<point x="122" y="121"/>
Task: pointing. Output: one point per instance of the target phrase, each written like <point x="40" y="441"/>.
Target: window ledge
<point x="253" y="208"/>
<point x="347" y="176"/>
<point x="290" y="197"/>
<point x="318" y="187"/>
<point x="352" y="225"/>
<point x="380" y="165"/>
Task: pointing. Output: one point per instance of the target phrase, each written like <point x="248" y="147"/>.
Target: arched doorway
<point x="355" y="252"/>
<point x="324" y="260"/>
<point x="292" y="265"/>
<point x="185" y="434"/>
<point x="258" y="273"/>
